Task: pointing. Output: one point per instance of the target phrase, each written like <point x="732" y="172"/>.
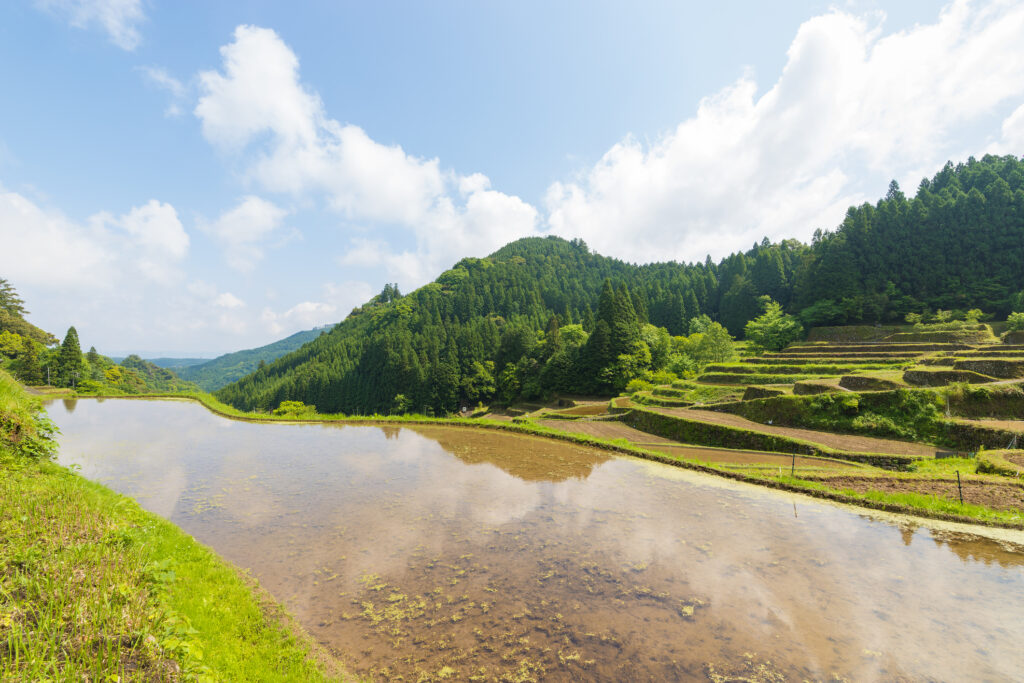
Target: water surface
<point x="446" y="553"/>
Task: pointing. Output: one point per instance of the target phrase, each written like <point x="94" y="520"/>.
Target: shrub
<point x="638" y="385"/>
<point x="295" y="409"/>
<point x="773" y="330"/>
<point x="1015" y="322"/>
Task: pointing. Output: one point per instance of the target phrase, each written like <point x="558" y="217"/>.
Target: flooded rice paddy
<point x="433" y="553"/>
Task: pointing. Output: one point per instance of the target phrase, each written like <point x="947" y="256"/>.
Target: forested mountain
<point x="543" y="314"/>
<point x="213" y="374"/>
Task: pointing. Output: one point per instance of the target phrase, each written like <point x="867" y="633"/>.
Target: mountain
<point x="544" y="314"/>
<point x="211" y="375"/>
<point x="177" y="363"/>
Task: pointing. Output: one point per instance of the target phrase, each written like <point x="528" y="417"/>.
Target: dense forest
<point x="34" y="357"/>
<point x="543" y="314"/>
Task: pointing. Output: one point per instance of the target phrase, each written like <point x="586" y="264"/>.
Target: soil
<point x="617" y="430"/>
<point x="605" y="430"/>
<point x="842" y="442"/>
<point x="589" y="409"/>
<point x="992" y="495"/>
<point x="1008" y="425"/>
<point x="1016" y="459"/>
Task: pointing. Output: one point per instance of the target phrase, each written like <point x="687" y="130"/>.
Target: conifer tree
<point x="30" y="371"/>
<point x="69" y="359"/>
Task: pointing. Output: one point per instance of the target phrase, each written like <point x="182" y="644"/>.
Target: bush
<point x="295" y="409"/>
<point x="638" y="385"/>
<point x="1015" y="322"/>
<point x="773" y="330"/>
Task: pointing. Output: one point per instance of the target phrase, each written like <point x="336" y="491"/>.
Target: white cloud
<point x="118" y="18"/>
<point x="43" y="247"/>
<point x="149" y="239"/>
<point x="156" y="228"/>
<point x="850" y="104"/>
<point x="228" y="300"/>
<point x="338" y="300"/>
<point x="1013" y="132"/>
<point x="258" y="110"/>
<point x="243" y="230"/>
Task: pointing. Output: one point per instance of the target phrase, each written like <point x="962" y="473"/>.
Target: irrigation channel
<point x="454" y="553"/>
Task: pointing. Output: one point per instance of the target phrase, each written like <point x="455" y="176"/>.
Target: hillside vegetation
<point x="544" y="315"/>
<point x="34" y="358"/>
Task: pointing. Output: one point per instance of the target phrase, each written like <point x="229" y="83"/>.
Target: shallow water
<point x="452" y="553"/>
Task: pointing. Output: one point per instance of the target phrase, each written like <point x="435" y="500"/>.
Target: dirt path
<point x="617" y="430"/>
<point x="842" y="442"/>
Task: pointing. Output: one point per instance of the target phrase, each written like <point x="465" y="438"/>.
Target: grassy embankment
<point x="92" y="587"/>
<point x="903" y="503"/>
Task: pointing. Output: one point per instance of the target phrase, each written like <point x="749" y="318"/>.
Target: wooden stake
<point x="959" y="487"/>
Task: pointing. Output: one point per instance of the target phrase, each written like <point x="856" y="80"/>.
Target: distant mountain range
<point x="213" y="374"/>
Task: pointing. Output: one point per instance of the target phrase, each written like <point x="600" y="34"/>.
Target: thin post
<point x="792" y="467"/>
<point x="959" y="487"/>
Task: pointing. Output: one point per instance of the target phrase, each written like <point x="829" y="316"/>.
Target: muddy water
<point x="436" y="553"/>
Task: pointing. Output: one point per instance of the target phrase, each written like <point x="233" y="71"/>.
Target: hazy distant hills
<point x="211" y="375"/>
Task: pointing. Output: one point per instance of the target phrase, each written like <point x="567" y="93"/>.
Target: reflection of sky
<point x="289" y="500"/>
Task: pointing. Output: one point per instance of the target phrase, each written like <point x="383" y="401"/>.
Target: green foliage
<point x="12" y="345"/>
<point x="294" y="409"/>
<point x="911" y="414"/>
<point x="12" y="316"/>
<point x="773" y="330"/>
<point x="638" y="385"/>
<point x="1014" y="322"/>
<point x="26" y="433"/>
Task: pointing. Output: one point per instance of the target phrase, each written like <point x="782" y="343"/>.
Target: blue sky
<point x="190" y="178"/>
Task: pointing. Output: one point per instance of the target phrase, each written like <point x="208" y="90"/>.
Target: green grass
<point x="728" y="378"/>
<point x="93" y="587"/>
<point x="784" y="368"/>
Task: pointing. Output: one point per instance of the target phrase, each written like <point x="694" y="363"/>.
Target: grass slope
<point x="93" y="587"/>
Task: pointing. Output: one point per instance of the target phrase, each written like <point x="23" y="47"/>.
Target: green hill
<point x="177" y="363"/>
<point x="222" y="370"/>
<point x="536" y="316"/>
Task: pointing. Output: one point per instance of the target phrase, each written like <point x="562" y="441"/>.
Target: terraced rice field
<point x="840" y="442"/>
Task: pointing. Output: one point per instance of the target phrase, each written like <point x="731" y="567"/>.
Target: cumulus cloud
<point x="44" y="247"/>
<point x="257" y="109"/>
<point x="149" y="239"/>
<point x="119" y="19"/>
<point x="338" y="300"/>
<point x="243" y="230"/>
<point x="851" y="103"/>
<point x="228" y="300"/>
<point x="1013" y="132"/>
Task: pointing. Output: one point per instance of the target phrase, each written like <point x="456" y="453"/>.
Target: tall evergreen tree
<point x="29" y="370"/>
<point x="70" y="366"/>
